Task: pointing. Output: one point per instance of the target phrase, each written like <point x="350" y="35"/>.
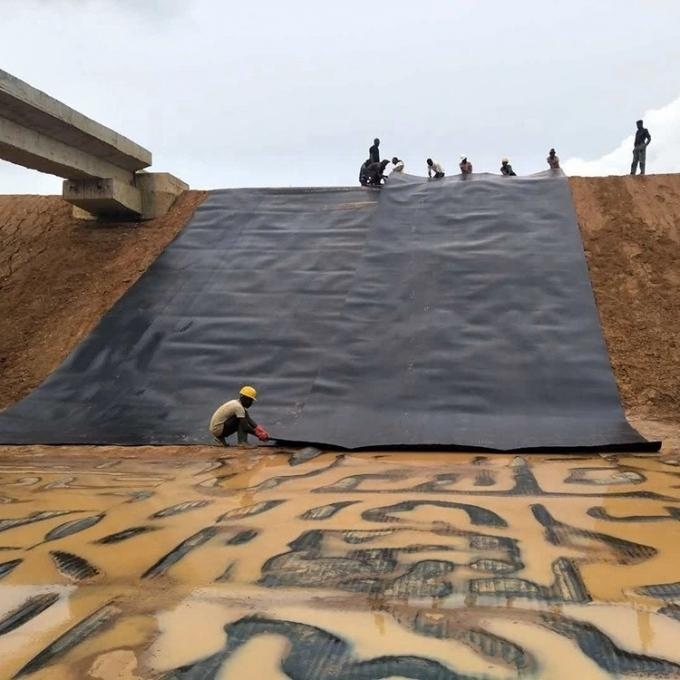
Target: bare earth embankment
<point x="59" y="275"/>
<point x="631" y="234"/>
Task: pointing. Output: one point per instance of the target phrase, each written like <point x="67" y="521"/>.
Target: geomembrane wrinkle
<point x="451" y="313"/>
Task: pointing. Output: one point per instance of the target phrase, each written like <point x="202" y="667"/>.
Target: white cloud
<point x="663" y="153"/>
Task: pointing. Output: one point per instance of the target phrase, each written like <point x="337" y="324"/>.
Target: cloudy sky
<point x="271" y="93"/>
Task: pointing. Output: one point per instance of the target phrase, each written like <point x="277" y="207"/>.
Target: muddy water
<point x="128" y="565"/>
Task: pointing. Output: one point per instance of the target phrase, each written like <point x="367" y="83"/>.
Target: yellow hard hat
<point x="248" y="391"/>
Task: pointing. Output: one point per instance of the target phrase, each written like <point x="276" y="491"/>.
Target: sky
<point x="271" y="93"/>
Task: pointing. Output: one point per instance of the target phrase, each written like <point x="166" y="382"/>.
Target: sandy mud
<point x="211" y="563"/>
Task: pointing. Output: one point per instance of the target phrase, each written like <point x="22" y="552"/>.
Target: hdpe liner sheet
<point x="450" y="313"/>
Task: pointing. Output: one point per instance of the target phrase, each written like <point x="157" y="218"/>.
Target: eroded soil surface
<point x="631" y="234"/>
<point x="59" y="275"/>
<point x="205" y="563"/>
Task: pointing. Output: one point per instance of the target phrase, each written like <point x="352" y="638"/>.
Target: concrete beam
<point x="101" y="167"/>
<point x="152" y="196"/>
<point x="104" y="197"/>
<point x="159" y="191"/>
<point x="21" y="145"/>
<point x="33" y="109"/>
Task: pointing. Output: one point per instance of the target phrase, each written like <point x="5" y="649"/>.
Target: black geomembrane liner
<point x="451" y="313"/>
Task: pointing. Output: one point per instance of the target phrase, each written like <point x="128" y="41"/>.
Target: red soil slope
<point x="631" y="234"/>
<point x="59" y="275"/>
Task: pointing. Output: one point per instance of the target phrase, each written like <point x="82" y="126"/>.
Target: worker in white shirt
<point x="465" y="166"/>
<point x="434" y="169"/>
<point x="398" y="165"/>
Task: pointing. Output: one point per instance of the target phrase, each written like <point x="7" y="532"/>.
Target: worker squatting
<point x="233" y="418"/>
<point x="372" y="172"/>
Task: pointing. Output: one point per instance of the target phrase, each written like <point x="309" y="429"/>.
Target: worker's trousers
<point x="234" y="425"/>
<point x="639" y="156"/>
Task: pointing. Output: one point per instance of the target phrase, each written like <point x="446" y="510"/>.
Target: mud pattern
<point x="274" y="482"/>
<point x="242" y="537"/>
<point x="226" y="574"/>
<point x="125" y="534"/>
<point x="8" y="567"/>
<point x="177" y="553"/>
<point x="478" y="516"/>
<point x="493" y="647"/>
<point x="376" y="570"/>
<point x="73" y="566"/>
<point x="69" y="528"/>
<point x="249" y="510"/>
<point x="180" y="508"/>
<point x="601" y="513"/>
<point x="314" y="654"/>
<point x="325" y="511"/>
<point x="600" y="648"/>
<point x="568" y="585"/>
<point x="303" y="455"/>
<point x="484" y="478"/>
<point x="663" y="591"/>
<point x="564" y="535"/>
<point x="580" y="476"/>
<point x="27" y="611"/>
<point x="671" y="610"/>
<point x="84" y="630"/>
<point x="7" y="524"/>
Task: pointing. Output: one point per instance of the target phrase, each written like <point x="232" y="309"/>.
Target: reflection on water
<point x="428" y="566"/>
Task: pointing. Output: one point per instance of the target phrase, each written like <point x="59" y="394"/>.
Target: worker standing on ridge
<point x="374" y="152"/>
<point x="434" y="169"/>
<point x="232" y="417"/>
<point x="398" y="165"/>
<point x="642" y="140"/>
<point x="465" y="166"/>
<point x="506" y="168"/>
<point x="553" y="160"/>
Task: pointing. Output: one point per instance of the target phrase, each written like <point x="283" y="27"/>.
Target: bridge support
<point x="104" y="172"/>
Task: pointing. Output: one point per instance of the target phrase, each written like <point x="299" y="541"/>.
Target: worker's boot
<point x="222" y="441"/>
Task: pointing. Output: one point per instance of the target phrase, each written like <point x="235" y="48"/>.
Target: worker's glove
<point x="261" y="433"/>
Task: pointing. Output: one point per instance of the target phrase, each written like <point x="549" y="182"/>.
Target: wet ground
<point x="147" y="564"/>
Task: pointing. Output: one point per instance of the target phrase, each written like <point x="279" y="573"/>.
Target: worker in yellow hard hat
<point x="232" y="417"/>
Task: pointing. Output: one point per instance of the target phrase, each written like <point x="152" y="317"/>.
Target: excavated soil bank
<point x="59" y="275"/>
<point x="631" y="234"/>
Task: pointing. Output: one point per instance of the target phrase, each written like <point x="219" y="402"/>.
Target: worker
<point x="374" y="152"/>
<point x="553" y="160"/>
<point x="376" y="173"/>
<point x="398" y="165"/>
<point x="434" y="169"/>
<point x="232" y="417"/>
<point x="465" y="166"/>
<point x="506" y="168"/>
<point x="642" y="140"/>
<point x="364" y="174"/>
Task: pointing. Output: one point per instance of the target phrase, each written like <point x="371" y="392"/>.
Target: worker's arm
<point x="648" y="138"/>
<point x="251" y="427"/>
<point x="247" y="424"/>
<point x="429" y="172"/>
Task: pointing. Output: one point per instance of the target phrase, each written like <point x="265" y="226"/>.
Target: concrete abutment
<point x="104" y="172"/>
